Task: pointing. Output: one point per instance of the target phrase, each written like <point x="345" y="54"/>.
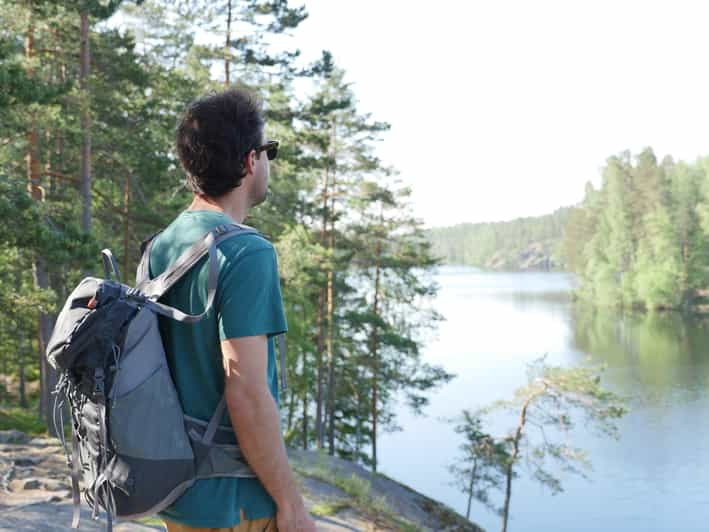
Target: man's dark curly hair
<point x="213" y="138"/>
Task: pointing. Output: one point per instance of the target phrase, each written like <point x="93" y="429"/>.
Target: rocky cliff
<point x="536" y="256"/>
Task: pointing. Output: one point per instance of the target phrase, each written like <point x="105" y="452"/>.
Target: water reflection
<point x="663" y="356"/>
<point x="650" y="480"/>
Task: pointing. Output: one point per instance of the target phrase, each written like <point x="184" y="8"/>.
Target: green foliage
<point x="151" y="521"/>
<point x="22" y="419"/>
<point x="358" y="489"/>
<point x="554" y="400"/>
<point x="326" y="188"/>
<point x="641" y="240"/>
<point x="481" y="468"/>
<point x="329" y="508"/>
<point x="512" y="245"/>
<point x="352" y="221"/>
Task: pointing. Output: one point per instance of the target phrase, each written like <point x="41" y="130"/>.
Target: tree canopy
<point x="90" y="102"/>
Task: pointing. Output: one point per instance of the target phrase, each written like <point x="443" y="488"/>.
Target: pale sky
<point x="502" y="109"/>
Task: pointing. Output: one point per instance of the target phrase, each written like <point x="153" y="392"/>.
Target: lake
<point x="654" y="478"/>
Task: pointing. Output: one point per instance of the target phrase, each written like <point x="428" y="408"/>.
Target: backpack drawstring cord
<point x="58" y="391"/>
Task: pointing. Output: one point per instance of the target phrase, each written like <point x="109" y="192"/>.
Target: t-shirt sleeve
<point x="249" y="300"/>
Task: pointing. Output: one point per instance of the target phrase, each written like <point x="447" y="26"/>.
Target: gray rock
<point x="43" y="442"/>
<point x="13" y="436"/>
<point x="31" y="484"/>
<point x="26" y="461"/>
<point x="56" y="517"/>
<point x="10" y="448"/>
<point x="54" y="485"/>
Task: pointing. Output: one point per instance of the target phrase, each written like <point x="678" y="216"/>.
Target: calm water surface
<point x="655" y="478"/>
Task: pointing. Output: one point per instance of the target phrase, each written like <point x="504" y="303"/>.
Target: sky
<point x="501" y="109"/>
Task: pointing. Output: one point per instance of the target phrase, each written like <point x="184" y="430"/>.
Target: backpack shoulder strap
<point x="157" y="287"/>
<point x="143" y="272"/>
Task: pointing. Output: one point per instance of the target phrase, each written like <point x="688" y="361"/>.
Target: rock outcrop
<point x="35" y="494"/>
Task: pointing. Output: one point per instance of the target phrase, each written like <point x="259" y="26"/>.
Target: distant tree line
<point x="86" y="161"/>
<point x="501" y="245"/>
<point x="639" y="241"/>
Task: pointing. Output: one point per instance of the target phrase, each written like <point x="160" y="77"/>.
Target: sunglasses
<point x="271" y="149"/>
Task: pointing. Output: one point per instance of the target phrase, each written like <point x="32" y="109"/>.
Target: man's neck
<point x="233" y="205"/>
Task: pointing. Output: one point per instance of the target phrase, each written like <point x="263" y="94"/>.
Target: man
<point x="221" y="146"/>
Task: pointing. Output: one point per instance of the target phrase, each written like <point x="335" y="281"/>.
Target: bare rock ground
<point x="35" y="494"/>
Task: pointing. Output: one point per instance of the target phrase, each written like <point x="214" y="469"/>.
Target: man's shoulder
<point x="248" y="250"/>
<point x="245" y="243"/>
<point x="191" y="226"/>
<point x="188" y="228"/>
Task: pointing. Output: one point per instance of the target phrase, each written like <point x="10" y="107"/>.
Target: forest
<point x="502" y="245"/>
<point x="92" y="91"/>
<point x="640" y="240"/>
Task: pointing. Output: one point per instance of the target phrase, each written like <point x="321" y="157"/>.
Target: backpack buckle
<point x="99" y="382"/>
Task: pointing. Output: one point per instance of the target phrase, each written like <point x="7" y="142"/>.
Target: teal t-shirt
<point x="248" y="303"/>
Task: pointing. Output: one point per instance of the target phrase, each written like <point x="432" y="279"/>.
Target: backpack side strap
<point x="75" y="475"/>
<point x="211" y="430"/>
<point x="143" y="272"/>
<point x="282" y="352"/>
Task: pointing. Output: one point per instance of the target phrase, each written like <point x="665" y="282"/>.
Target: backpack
<point x="131" y="441"/>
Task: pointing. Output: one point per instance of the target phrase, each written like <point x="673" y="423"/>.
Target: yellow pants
<point x="265" y="524"/>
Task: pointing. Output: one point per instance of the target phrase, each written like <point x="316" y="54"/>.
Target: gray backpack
<point x="131" y="441"/>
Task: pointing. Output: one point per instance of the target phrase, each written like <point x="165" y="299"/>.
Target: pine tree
<point x="392" y="259"/>
<point x="553" y="399"/>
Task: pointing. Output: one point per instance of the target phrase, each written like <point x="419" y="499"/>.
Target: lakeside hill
<point x="528" y="243"/>
<point x="341" y="496"/>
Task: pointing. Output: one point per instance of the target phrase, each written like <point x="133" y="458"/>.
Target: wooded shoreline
<point x="640" y="240"/>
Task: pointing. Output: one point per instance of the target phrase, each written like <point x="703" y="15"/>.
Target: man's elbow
<point x="244" y="398"/>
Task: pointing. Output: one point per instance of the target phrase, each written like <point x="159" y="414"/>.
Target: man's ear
<point x="251" y="162"/>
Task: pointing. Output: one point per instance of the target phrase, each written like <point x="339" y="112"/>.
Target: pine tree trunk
<point x="375" y="363"/>
<point x="375" y="349"/>
<point x="513" y="458"/>
<point x="320" y="340"/>
<point x="330" y="365"/>
<point x="21" y="346"/>
<point x="21" y="355"/>
<point x="227" y="47"/>
<point x="126" y="227"/>
<point x="684" y="281"/>
<point x="320" y="346"/>
<point x="33" y="167"/>
<point x="374" y="414"/>
<point x="470" y="489"/>
<point x="331" y="309"/>
<point x="291" y="410"/>
<point x="358" y="425"/>
<point x="32" y="159"/>
<point x="306" y="388"/>
<point x="48" y="376"/>
<point x="85" y="124"/>
<point x="57" y="162"/>
<point x="305" y="406"/>
<point x="55" y="165"/>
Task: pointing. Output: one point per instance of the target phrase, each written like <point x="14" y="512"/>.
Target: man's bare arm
<point x="255" y="418"/>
